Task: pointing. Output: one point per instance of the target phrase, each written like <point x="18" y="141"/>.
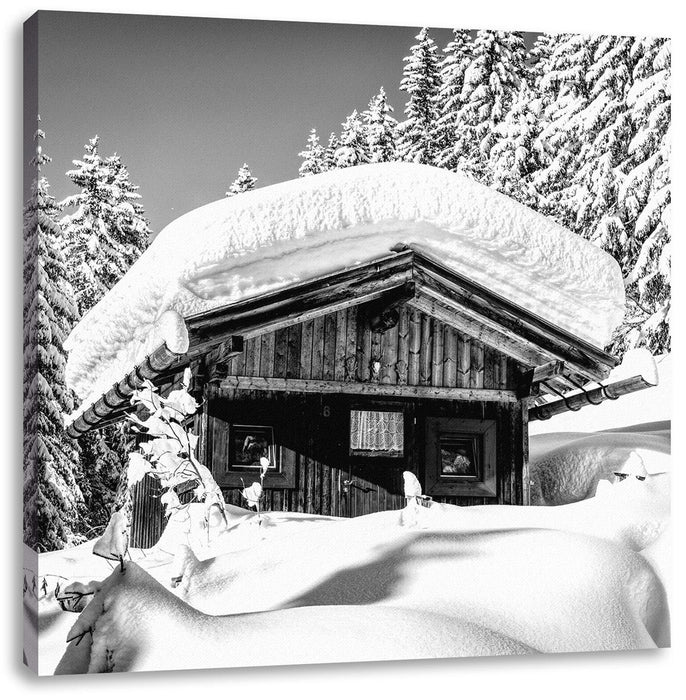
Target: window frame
<point x="438" y="483"/>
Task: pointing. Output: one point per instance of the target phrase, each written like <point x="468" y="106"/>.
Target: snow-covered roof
<point x="274" y="237"/>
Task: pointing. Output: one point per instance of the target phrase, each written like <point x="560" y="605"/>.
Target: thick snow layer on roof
<point x="273" y="237"/>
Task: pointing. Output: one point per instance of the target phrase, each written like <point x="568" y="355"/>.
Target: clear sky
<point x="185" y="101"/>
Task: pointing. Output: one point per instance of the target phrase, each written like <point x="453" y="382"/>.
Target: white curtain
<point x="376" y="430"/>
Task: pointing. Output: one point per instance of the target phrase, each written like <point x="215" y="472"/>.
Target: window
<point x="249" y="443"/>
<point x="460" y="457"/>
<point x="239" y="432"/>
<point x="377" y="433"/>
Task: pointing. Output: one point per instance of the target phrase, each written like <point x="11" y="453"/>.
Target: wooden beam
<point x="366" y="389"/>
<point x="469" y="324"/>
<point x="383" y="313"/>
<point x="117" y="399"/>
<point x="548" y="370"/>
<point x="576" y="401"/>
<point x="528" y="384"/>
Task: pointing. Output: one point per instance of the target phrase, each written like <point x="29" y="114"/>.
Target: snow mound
<point x="567" y="467"/>
<point x="137" y="625"/>
<point x="274" y="237"/>
<point x="425" y="594"/>
<point x="592" y="575"/>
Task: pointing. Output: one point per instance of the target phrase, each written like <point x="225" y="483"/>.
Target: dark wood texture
<point x="324" y="366"/>
<point x="317" y="435"/>
<point x="147" y="513"/>
<point x="418" y="351"/>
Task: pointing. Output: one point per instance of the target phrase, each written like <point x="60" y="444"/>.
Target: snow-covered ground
<point x="589" y="570"/>
<point x="422" y="582"/>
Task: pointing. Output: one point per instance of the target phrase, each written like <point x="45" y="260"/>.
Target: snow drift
<point x="566" y="467"/>
<point x="273" y="237"/>
<point x="418" y="583"/>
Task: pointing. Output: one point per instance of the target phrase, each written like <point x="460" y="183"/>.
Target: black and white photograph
<point x="343" y="342"/>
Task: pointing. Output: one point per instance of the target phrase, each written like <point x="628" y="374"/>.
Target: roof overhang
<point x="407" y="274"/>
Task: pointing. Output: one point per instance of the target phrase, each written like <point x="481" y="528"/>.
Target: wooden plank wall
<point x="147" y="514"/>
<point x="419" y="350"/>
<point x="340" y="346"/>
<point x="316" y="429"/>
<point x="304" y="427"/>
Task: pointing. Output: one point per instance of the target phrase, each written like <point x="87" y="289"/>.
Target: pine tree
<point x="52" y="499"/>
<point x="243" y="183"/>
<point x="564" y="94"/>
<point x="102" y="238"/>
<point x="330" y="152"/>
<point x="381" y="129"/>
<point x="313" y="156"/>
<point x="130" y="228"/>
<point x="646" y="190"/>
<point x="607" y="128"/>
<point x="517" y="155"/>
<point x="104" y="455"/>
<point x="107" y="231"/>
<point x="353" y="143"/>
<point x="417" y="136"/>
<point x="646" y="197"/>
<point x="539" y="58"/>
<point x="458" y="55"/>
<point x="490" y="85"/>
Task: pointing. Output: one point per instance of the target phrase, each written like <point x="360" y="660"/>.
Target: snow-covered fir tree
<point x="53" y="502"/>
<point x="380" y="129"/>
<point x="103" y="236"/>
<point x="352" y="149"/>
<point x="313" y="156"/>
<point x="517" y="155"/>
<point x="417" y="141"/>
<point x="645" y="194"/>
<point x="458" y="55"/>
<point x="539" y="58"/>
<point x="103" y="458"/>
<point x="490" y="85"/>
<point x="244" y="182"/>
<point x="578" y="130"/>
<point x="330" y="151"/>
<point x="107" y="230"/>
<point x="564" y="94"/>
<point x="607" y="128"/>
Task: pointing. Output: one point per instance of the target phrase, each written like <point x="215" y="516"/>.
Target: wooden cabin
<point x="344" y="380"/>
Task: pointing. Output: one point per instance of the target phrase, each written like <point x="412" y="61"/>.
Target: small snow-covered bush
<point x="169" y="453"/>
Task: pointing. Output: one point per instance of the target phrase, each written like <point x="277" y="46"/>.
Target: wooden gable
<point x="342" y="347"/>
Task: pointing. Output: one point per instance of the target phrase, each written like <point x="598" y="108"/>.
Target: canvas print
<point x="342" y="343"/>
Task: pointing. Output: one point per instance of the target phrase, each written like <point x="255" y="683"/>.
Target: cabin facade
<point x="348" y="380"/>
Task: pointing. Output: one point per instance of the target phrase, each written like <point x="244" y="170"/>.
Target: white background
<point x="625" y="675"/>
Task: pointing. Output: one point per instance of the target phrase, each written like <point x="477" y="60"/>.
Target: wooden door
<point x="376" y="463"/>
